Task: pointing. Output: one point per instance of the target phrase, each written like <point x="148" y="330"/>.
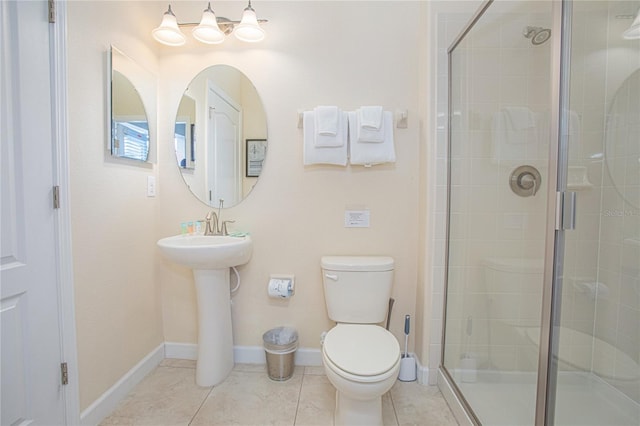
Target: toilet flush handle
<point x="331" y="277"/>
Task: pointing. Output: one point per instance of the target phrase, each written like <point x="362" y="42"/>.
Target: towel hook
<point x="401" y="118"/>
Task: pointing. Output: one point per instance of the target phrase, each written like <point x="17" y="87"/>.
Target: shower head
<point x="538" y="35"/>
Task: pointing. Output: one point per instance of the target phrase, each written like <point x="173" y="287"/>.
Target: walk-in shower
<point x="542" y="297"/>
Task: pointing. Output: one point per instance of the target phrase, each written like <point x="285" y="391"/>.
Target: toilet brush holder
<point x="407" y="368"/>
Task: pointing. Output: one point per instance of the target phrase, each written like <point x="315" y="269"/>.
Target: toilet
<point x="361" y="358"/>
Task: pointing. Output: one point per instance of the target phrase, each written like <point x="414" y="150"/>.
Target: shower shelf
<point x="577" y="179"/>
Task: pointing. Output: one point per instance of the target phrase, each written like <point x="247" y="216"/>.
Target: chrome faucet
<point x="212" y="222"/>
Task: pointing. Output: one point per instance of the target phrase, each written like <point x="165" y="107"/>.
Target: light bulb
<point x="168" y="32"/>
<point x="248" y="29"/>
<point x="208" y="30"/>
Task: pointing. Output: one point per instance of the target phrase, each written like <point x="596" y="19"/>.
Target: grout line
<point x="200" y="406"/>
<point x="295" y="418"/>
<point x="393" y="404"/>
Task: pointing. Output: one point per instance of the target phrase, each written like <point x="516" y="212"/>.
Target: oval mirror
<point x="621" y="140"/>
<point x="220" y="136"/>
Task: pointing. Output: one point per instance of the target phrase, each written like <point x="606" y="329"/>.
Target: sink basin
<point x="207" y="251"/>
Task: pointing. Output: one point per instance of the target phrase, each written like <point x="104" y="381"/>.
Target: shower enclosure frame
<point x="558" y="207"/>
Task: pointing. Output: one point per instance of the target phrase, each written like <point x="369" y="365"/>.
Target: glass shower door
<point x="597" y="354"/>
<point x="500" y="88"/>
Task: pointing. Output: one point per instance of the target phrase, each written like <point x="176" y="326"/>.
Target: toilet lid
<point x="362" y="350"/>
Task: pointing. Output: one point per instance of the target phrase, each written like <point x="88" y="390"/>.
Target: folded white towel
<point x="366" y="132"/>
<point x="338" y="123"/>
<point x="326" y="120"/>
<point x="313" y="154"/>
<point x="370" y="117"/>
<point x="369" y="154"/>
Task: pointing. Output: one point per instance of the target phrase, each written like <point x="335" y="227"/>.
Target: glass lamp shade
<point x="248" y="29"/>
<point x="208" y="31"/>
<point x="168" y="32"/>
<point x="633" y="32"/>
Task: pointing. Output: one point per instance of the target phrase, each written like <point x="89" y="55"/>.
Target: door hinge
<point x="64" y="373"/>
<point x="56" y="197"/>
<point x="52" y="11"/>
<point x="565" y="211"/>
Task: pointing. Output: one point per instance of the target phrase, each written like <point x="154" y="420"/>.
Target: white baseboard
<point x="181" y="350"/>
<point x="423" y="373"/>
<point x="243" y="354"/>
<point x="105" y="404"/>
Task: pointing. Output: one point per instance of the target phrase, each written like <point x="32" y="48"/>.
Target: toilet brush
<point x="407" y="363"/>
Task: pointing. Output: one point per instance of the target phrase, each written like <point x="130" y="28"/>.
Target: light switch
<point x="151" y="186"/>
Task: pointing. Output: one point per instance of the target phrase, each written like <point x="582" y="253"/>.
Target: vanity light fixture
<point x="211" y="29"/>
<point x="633" y="32"/>
<point x="249" y="30"/>
<point x="168" y="32"/>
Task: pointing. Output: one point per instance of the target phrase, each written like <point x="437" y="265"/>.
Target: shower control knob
<point x="525" y="181"/>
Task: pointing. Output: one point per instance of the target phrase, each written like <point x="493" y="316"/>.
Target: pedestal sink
<point x="210" y="257"/>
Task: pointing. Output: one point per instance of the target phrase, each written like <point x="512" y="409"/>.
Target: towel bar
<point x="401" y="118"/>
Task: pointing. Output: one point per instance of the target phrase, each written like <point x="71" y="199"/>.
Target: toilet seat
<point x="361" y="350"/>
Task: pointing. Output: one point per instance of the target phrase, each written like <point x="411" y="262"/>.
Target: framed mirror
<point x="132" y="96"/>
<point x="219" y="120"/>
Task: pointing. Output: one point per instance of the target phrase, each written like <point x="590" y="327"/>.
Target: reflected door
<point x="223" y="142"/>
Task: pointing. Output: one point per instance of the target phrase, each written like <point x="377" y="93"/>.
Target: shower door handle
<point x="565" y="211"/>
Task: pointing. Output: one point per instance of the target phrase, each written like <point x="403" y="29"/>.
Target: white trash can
<point x="280" y="345"/>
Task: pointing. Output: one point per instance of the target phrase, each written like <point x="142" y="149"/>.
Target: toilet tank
<point x="357" y="288"/>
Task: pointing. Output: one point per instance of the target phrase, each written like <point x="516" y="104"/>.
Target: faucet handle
<point x="224" y="226"/>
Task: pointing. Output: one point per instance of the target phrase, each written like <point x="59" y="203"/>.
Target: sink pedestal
<point x="215" y="338"/>
<point x="210" y="257"/>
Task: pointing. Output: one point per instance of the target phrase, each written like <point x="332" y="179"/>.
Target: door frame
<point x="62" y="215"/>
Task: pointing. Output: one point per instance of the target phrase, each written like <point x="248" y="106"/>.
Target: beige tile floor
<point x="169" y="396"/>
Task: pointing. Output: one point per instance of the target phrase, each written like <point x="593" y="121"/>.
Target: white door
<point x="223" y="149"/>
<point x="31" y="350"/>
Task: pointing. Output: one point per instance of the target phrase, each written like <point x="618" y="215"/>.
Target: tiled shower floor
<point x="169" y="396"/>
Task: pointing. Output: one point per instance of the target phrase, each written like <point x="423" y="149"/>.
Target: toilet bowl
<point x="362" y="362"/>
<point x="361" y="359"/>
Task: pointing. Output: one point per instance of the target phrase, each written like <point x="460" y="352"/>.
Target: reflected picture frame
<point x="255" y="153"/>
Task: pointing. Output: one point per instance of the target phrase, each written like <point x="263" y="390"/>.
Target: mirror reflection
<point x="621" y="141"/>
<point x="129" y="135"/>
<point x="220" y="136"/>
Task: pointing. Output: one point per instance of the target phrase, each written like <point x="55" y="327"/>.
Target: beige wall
<point x="114" y="224"/>
<point x="295" y="214"/>
<point x="129" y="299"/>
